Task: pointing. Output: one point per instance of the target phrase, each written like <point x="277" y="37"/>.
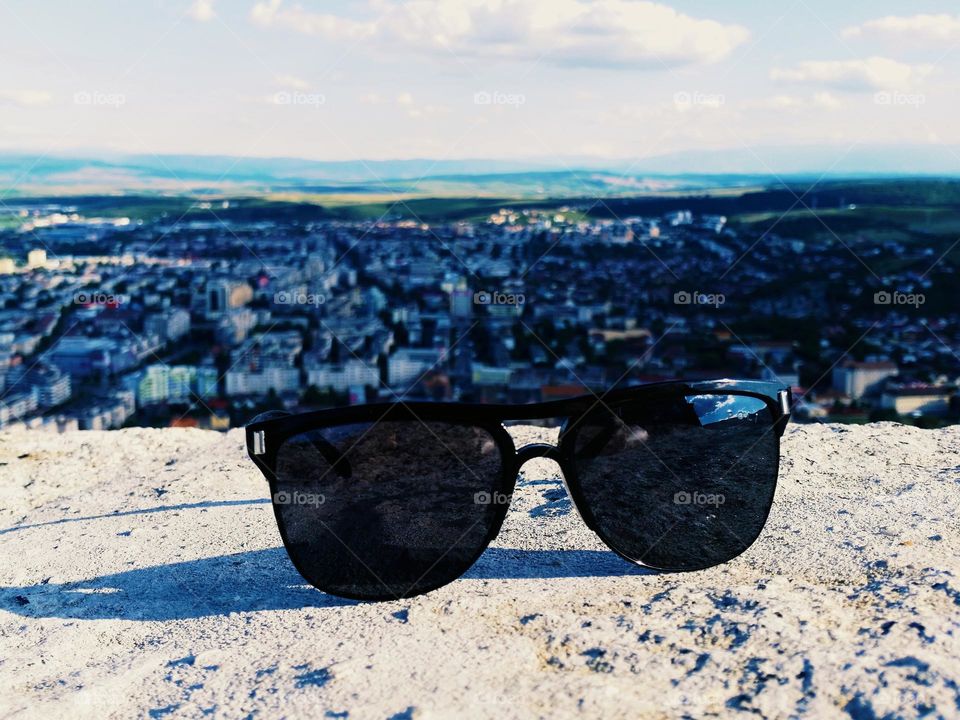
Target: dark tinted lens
<point x="389" y="509"/>
<point x="681" y="483"/>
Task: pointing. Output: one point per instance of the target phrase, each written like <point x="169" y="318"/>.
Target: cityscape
<point x="207" y="316"/>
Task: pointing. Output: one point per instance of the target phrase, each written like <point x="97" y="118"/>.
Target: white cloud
<point x="271" y="13"/>
<point x="597" y="149"/>
<point x="781" y="102"/>
<point x="820" y="100"/>
<point x="625" y="33"/>
<point x="202" y="10"/>
<point x="293" y="82"/>
<point x="943" y="28"/>
<point x="826" y="100"/>
<point x="873" y="73"/>
<point x="25" y="98"/>
<point x="406" y="101"/>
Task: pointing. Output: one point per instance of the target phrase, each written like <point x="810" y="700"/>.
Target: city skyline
<point x="168" y="313"/>
<point x="608" y="79"/>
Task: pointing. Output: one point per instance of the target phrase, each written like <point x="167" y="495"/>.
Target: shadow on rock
<point x="259" y="580"/>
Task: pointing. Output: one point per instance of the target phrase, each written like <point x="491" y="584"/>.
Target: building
<point x="635" y="344"/>
<point x="180" y="383"/>
<point x="234" y="327"/>
<point x="55" y="424"/>
<point x="83" y="357"/>
<point x="218" y="297"/>
<point x="168" y="325"/>
<point x="124" y="405"/>
<point x="95" y="417"/>
<point x="770" y="352"/>
<point x="261" y="381"/>
<point x="919" y="398"/>
<point x="154" y="385"/>
<point x="36" y="259"/>
<point x="461" y="302"/>
<point x="17" y="406"/>
<point x="407" y="365"/>
<point x="487" y="375"/>
<point x="207" y="380"/>
<point x="857" y="379"/>
<point x="53" y="386"/>
<point x="343" y="376"/>
<point x="175" y="384"/>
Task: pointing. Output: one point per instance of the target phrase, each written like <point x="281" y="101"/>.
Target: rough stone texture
<point x="142" y="576"/>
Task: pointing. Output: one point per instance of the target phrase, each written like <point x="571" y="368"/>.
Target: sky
<point x="450" y="79"/>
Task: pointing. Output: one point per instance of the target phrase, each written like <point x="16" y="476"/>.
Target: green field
<point x="924" y="212"/>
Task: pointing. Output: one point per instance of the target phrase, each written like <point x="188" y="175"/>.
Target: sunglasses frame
<point x="267" y="432"/>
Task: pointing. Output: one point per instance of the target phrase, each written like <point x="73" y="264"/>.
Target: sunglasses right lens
<point x="389" y="509"/>
<point x="678" y="483"/>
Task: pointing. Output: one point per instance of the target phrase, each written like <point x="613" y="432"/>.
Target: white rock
<point x="133" y="586"/>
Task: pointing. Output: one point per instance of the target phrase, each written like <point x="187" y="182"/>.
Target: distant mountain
<point x="814" y="160"/>
<point x="26" y="173"/>
<point x="220" y="168"/>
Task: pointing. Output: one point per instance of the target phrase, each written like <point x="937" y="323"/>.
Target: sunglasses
<point x="386" y="501"/>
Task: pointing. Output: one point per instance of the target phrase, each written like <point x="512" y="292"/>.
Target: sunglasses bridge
<point x="538" y="450"/>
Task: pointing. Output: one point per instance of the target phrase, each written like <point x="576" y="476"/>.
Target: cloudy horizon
<point x="383" y="79"/>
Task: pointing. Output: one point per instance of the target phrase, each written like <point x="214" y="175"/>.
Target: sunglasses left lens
<point x="389" y="509"/>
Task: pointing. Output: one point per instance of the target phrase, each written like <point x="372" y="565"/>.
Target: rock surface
<point x="142" y="576"/>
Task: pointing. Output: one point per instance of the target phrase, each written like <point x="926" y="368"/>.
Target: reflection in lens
<point x="678" y="484"/>
<point x="387" y="509"/>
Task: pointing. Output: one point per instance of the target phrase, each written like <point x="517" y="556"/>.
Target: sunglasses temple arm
<point x="338" y="461"/>
<point x="785" y="403"/>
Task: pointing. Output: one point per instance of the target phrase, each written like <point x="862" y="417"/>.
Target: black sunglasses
<point x="384" y="501"/>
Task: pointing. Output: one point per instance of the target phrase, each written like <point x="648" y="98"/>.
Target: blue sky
<point x="384" y="79"/>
